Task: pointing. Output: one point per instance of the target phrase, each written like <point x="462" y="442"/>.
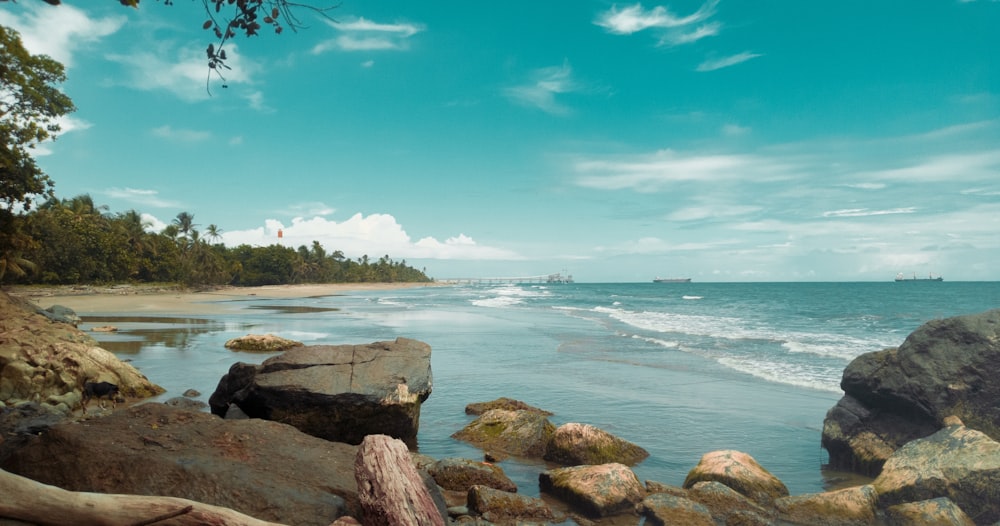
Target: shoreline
<point x="174" y="299"/>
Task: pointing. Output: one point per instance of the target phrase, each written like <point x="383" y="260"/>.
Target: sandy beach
<point x="91" y="300"/>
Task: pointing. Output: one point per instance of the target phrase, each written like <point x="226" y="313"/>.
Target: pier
<point x="543" y="278"/>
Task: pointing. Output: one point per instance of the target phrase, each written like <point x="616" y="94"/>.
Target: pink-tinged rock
<point x="740" y="472"/>
<point x="598" y="491"/>
<point x="847" y="507"/>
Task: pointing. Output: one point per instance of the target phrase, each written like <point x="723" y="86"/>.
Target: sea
<point x="680" y="369"/>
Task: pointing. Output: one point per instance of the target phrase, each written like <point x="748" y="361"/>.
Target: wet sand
<point x="146" y="299"/>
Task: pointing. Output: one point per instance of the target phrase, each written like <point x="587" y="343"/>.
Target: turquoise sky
<point x="718" y="140"/>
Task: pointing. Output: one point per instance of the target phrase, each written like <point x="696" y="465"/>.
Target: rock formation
<point x="337" y="392"/>
<point x="264" y="469"/>
<point x="48" y="362"/>
<point x="945" y="367"/>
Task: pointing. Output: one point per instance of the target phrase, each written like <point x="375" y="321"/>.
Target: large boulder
<point x="500" y="432"/>
<point x="574" y="444"/>
<point x="663" y="509"/>
<point x="740" y="472"/>
<point x="264" y="469"/>
<point x="460" y="474"/>
<point x="390" y="489"/>
<point x="943" y="368"/>
<point x="934" y="512"/>
<point x="854" y="506"/>
<point x="600" y="491"/>
<point x="48" y="362"/>
<point x="337" y="392"/>
<point x="957" y="462"/>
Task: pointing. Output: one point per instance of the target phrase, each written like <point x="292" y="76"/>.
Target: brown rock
<point x="740" y="472"/>
<point x="599" y="491"/>
<point x="518" y="433"/>
<point x="503" y="507"/>
<point x="663" y="509"/>
<point x="935" y="512"/>
<point x="263" y="469"/>
<point x="459" y="474"/>
<point x="507" y="404"/>
<point x="390" y="490"/>
<point x="575" y="444"/>
<point x="48" y="362"/>
<point x="847" y="507"/>
<point x="723" y="502"/>
<point x="261" y="343"/>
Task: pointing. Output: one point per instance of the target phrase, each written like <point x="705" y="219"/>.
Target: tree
<point x="29" y="105"/>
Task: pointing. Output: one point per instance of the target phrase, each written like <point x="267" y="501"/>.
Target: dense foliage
<point x="79" y="242"/>
<point x="30" y="103"/>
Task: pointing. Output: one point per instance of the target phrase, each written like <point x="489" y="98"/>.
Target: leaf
<point x="207" y="24"/>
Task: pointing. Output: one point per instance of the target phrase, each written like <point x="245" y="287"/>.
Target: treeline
<point x="73" y="241"/>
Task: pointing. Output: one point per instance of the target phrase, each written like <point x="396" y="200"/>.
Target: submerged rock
<point x="519" y="433"/>
<point x="261" y="343"/>
<point x="507" y="404"/>
<point x="337" y="392"/>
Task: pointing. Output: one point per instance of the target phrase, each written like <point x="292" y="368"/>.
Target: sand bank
<point x="147" y="299"/>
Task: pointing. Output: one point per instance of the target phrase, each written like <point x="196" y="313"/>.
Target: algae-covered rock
<point x="518" y="433"/>
<point x="854" y="506"/>
<point x="575" y="444"/>
<point x="600" y="491"/>
<point x="261" y="343"/>
<point x="740" y="472"/>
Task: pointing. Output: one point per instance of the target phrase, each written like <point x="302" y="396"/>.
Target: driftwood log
<point x="390" y="490"/>
<point x="26" y="500"/>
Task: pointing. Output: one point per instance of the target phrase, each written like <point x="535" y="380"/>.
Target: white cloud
<point x="864" y="212"/>
<point x="186" y="74"/>
<point x="181" y="135"/>
<point x="541" y="91"/>
<point x="725" y="62"/>
<point x="733" y="130"/>
<point x="635" y="18"/>
<point x="374" y="235"/>
<point x="677" y="38"/>
<point x="655" y="172"/>
<point x="140" y="197"/>
<point x="969" y="166"/>
<point x="57" y="31"/>
<point x="365" y="35"/>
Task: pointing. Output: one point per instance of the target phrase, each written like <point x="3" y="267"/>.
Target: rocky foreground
<point x="326" y="444"/>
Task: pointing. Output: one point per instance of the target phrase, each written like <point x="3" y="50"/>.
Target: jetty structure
<point x="542" y="278"/>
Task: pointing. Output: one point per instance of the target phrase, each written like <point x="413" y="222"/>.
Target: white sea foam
<point x="799" y="375"/>
<point x="306" y="336"/>
<point x="692" y="297"/>
<point x="657" y="341"/>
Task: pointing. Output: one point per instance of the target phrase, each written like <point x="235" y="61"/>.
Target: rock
<point x="261" y="343"/>
<point x="847" y="507"/>
<point x="724" y="502"/>
<point x="60" y="314"/>
<point x="508" y="404"/>
<point x="653" y="486"/>
<point x="104" y="328"/>
<point x="191" y="393"/>
<point x="575" y="444"/>
<point x="599" y="491"/>
<point x="934" y="512"/>
<point x="519" y="433"/>
<point x="268" y="470"/>
<point x="664" y="509"/>
<point x="187" y="404"/>
<point x="341" y="393"/>
<point x="956" y="462"/>
<point x="740" y="472"/>
<point x="390" y="490"/>
<point x="459" y="474"/>
<point x="49" y="362"/>
<point x="945" y="367"/>
<point x="498" y="506"/>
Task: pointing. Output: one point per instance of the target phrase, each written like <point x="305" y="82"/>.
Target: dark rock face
<point x="264" y="469"/>
<point x="946" y="367"/>
<point x="341" y="393"/>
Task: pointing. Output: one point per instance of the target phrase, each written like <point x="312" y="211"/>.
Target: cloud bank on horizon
<point x="703" y="137"/>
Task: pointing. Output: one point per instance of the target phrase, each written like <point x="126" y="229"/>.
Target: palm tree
<point x="184" y="223"/>
<point x="213" y="233"/>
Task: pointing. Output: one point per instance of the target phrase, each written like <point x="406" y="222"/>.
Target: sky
<point x="616" y="142"/>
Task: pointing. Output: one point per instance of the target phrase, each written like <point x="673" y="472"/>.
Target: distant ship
<point x="671" y="280"/>
<point x="930" y="277"/>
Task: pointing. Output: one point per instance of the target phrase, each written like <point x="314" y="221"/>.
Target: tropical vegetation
<point x="77" y="241"/>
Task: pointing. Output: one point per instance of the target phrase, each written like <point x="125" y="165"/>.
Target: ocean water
<point x="679" y="369"/>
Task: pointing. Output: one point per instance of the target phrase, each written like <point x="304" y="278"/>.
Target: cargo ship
<point x="930" y="277"/>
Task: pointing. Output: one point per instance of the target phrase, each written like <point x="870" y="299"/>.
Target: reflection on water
<point x="294" y="309"/>
<point x="136" y="332"/>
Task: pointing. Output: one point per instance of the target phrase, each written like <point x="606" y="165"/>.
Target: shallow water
<point x="680" y="369"/>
